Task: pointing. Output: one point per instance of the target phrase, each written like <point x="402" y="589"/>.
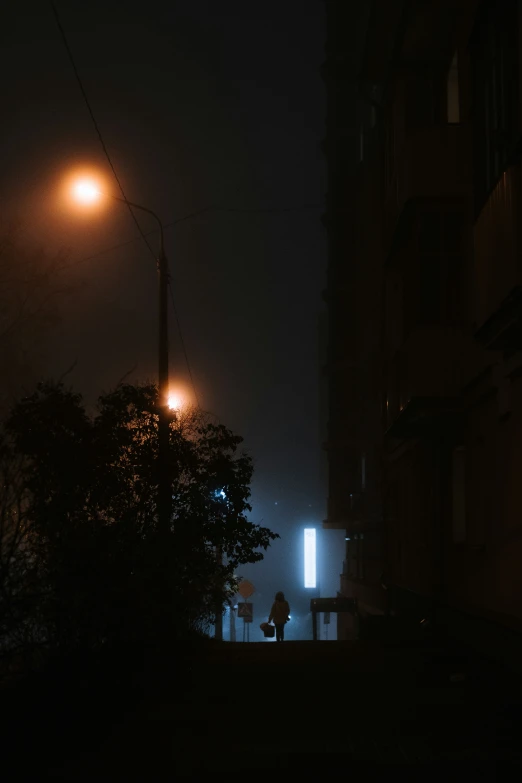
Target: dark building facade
<point x="424" y="296"/>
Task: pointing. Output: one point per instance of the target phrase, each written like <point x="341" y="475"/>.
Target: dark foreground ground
<point x="233" y="709"/>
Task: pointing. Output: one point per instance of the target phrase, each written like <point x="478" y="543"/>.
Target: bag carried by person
<point x="268" y="630"/>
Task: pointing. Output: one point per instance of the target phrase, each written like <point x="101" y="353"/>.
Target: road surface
<point x="311" y="705"/>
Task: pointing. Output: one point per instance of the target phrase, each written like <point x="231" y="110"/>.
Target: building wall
<point x="425" y="302"/>
<point x="354" y="296"/>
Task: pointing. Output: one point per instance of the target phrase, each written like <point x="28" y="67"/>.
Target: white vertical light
<point x="310" y="576"/>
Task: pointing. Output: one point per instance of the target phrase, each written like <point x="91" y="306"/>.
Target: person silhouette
<point x="280" y="614"/>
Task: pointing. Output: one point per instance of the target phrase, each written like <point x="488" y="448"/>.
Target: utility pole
<point x="164" y="498"/>
<point x="164" y="488"/>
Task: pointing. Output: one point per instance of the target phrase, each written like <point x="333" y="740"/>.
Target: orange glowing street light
<point x="87" y="192"/>
<point x="175" y="402"/>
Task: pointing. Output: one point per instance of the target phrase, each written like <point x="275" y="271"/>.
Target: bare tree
<point x="31" y="285"/>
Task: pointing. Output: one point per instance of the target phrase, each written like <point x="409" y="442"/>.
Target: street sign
<point x="246" y="589"/>
<point x="327" y="618"/>
<point x="246" y="611"/>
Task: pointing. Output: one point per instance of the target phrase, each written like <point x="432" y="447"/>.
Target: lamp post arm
<point x="150" y="212"/>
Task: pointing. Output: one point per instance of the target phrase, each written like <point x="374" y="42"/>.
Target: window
<point x="394" y="309"/>
<point x="430" y="258"/>
<point x="495" y="93"/>
<point x="424" y="94"/>
<point x="455" y="300"/>
<point x="434" y="273"/>
<point x="389" y="152"/>
<point x="452" y="92"/>
<point x="422" y="274"/>
<point x="459" y="494"/>
<point x="410" y="294"/>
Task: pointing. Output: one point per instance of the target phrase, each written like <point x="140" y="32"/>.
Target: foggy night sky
<point x="200" y="103"/>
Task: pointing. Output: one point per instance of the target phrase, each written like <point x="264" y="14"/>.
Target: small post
<point x="219" y="606"/>
<point x="232" y="621"/>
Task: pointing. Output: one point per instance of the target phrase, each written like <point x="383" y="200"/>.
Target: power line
<point x="175" y="222"/>
<point x="107" y="155"/>
<point x="272" y="210"/>
<point x="174" y="308"/>
<point x="95" y="123"/>
<point x="148" y="233"/>
<point x="181" y="220"/>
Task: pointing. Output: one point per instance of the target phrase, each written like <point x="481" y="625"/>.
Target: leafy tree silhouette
<point x="102" y="574"/>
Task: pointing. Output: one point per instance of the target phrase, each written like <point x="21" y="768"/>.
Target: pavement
<point x="298" y="706"/>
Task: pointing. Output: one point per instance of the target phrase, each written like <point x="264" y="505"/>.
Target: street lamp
<point x="175" y="402"/>
<point x="87" y="192"/>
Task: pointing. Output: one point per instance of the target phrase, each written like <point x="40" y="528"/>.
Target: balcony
<point x="434" y="166"/>
<point x="427" y="417"/>
<point x="424" y="381"/>
<point x="368" y="595"/>
<point x="503" y="329"/>
<point x="333" y="523"/>
<point x="338" y="512"/>
<point x="497" y="264"/>
<point x="349" y="511"/>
